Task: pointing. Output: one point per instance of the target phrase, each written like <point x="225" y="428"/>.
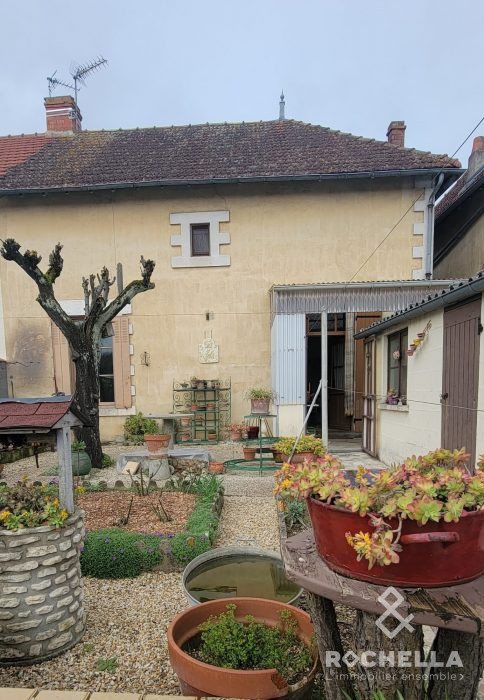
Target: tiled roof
<point x="173" y="155"/>
<point x="40" y="414"/>
<point x="459" y="191"/>
<point x="16" y="149"/>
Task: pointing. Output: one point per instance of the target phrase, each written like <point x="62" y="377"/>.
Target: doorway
<point x="460" y="375"/>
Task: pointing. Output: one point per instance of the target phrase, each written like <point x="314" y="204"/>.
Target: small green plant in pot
<point x="81" y="462"/>
<point x="136" y="427"/>
<point x="260" y="399"/>
<point x="307" y="447"/>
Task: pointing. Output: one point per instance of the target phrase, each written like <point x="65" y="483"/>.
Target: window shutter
<point x="121" y="362"/>
<point x="64" y="371"/>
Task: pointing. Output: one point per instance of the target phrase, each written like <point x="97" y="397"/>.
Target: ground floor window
<point x="106" y="371"/>
<point x="397" y="363"/>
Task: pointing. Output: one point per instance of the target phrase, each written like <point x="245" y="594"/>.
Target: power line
<point x="413" y="204"/>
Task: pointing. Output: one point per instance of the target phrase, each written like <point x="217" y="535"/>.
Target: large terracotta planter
<point x="434" y="555"/>
<point x="259" y="405"/>
<point x="200" y="679"/>
<point x="157" y="442"/>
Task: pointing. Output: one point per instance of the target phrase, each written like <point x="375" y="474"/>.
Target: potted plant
<point x="236" y="430"/>
<point x="249" y="648"/>
<point x="185" y="422"/>
<point x="201" y="384"/>
<point x="216" y="467"/>
<point x="416" y="524"/>
<point x="193" y="382"/>
<point x="81" y="462"/>
<point x="252" y="432"/>
<point x="212" y="436"/>
<point x="307" y="447"/>
<point x="156" y="442"/>
<point x="260" y="399"/>
<point x="184" y="437"/>
<point x="249" y="453"/>
<point x="392" y="397"/>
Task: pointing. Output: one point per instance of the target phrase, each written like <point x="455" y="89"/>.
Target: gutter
<point x="453" y="295"/>
<point x="452" y="173"/>
<point x="428" y="266"/>
<point x="357" y="285"/>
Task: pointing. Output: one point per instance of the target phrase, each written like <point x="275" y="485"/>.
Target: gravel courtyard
<point x="127" y="619"/>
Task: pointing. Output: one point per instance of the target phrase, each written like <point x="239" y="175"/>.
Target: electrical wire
<point x="412" y="204"/>
<point x="428" y="403"/>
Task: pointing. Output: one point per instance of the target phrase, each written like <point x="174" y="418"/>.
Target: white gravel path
<point x="127" y="619"/>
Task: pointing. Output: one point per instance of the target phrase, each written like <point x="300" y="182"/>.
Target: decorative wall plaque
<point x="208" y="351"/>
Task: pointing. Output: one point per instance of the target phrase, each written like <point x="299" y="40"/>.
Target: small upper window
<point x="397" y="363"/>
<point x="200" y="239"/>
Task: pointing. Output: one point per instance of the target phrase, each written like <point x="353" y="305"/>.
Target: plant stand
<point x="457" y="611"/>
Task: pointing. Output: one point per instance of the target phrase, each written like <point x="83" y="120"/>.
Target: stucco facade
<point x="279" y="234"/>
<point x="417" y="427"/>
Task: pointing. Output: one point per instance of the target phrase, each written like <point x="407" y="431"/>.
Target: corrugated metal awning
<point x="338" y="297"/>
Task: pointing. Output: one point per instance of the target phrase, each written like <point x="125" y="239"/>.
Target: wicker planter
<point x="41" y="610"/>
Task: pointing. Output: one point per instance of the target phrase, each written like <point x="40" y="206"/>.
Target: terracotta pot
<point x="299" y="457"/>
<point x="194" y="406"/>
<point x="184" y="437"/>
<point x="249" y="453"/>
<point x="216" y="467"/>
<point x="235" y="435"/>
<point x="200" y="679"/>
<point x="185" y="422"/>
<point x="212" y="437"/>
<point x="278" y="457"/>
<point x="433" y="555"/>
<point x="259" y="405"/>
<point x="157" y="442"/>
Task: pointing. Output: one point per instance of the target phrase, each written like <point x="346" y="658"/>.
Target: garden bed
<point x="105" y="509"/>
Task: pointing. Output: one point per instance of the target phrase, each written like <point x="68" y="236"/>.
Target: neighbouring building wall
<point x="282" y="234"/>
<point x="467" y="256"/>
<point x="415" y="428"/>
<point x="480" y="400"/>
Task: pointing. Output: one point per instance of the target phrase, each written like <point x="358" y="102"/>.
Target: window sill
<point x="393" y="407"/>
<point x="106" y="411"/>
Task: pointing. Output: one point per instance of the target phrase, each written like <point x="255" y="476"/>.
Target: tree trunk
<point x="407" y="680"/>
<point x="462" y="683"/>
<point x="86" y="400"/>
<point x="337" y="681"/>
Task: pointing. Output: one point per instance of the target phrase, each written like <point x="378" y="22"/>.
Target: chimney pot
<point x="476" y="158"/>
<point x="62" y="115"/>
<point x="396" y="133"/>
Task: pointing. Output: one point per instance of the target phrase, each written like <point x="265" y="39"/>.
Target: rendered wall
<point x="416" y="428"/>
<point x="279" y="235"/>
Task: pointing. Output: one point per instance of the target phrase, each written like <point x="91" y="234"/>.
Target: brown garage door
<point x="460" y="379"/>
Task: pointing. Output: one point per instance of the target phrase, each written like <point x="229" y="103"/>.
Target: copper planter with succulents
<point x="418" y="524"/>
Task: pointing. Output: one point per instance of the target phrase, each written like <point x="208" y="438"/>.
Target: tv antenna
<point x="79" y="73"/>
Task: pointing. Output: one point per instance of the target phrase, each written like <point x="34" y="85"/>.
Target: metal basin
<point x="227" y="572"/>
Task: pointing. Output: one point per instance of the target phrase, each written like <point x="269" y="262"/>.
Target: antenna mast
<point x="79" y="73"/>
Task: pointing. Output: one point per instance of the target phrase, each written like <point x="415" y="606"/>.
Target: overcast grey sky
<point x="352" y="65"/>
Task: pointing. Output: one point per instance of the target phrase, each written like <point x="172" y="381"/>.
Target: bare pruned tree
<point x="83" y="335"/>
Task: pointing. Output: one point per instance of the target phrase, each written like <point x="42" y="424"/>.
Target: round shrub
<point x="186" y="546"/>
<point x="113" y="553"/>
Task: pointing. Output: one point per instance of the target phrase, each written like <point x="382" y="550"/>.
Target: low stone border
<point x="41" y="600"/>
<point x="37" y="694"/>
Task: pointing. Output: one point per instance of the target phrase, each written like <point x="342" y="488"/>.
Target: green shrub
<point x="201" y="528"/>
<point x="308" y="443"/>
<point x="247" y="644"/>
<point x="107" y="461"/>
<point x="113" y="553"/>
<point x="135" y="427"/>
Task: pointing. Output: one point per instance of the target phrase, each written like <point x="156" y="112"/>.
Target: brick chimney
<point x="396" y="133"/>
<point x="476" y="158"/>
<point x="62" y="114"/>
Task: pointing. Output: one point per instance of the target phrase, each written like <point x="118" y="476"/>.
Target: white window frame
<point x="184" y="239"/>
